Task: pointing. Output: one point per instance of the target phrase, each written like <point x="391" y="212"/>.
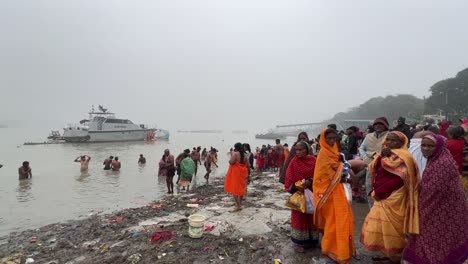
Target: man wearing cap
<point x="371" y="145"/>
<point x="403" y="127"/>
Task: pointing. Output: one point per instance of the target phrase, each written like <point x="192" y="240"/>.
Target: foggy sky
<point x="221" y="64"/>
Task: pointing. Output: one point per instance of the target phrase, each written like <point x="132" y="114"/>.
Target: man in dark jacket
<point x="402" y="127"/>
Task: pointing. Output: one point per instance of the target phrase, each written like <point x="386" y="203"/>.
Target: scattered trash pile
<point x="159" y="232"/>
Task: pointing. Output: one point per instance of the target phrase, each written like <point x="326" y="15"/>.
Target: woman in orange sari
<point x="395" y="177"/>
<point x="330" y="198"/>
<point x="236" y="177"/>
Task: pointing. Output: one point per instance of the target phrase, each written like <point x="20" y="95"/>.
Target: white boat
<point x="103" y="126"/>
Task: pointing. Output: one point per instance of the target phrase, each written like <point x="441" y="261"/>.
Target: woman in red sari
<point x="301" y="137"/>
<point x="303" y="232"/>
<point x="443" y="210"/>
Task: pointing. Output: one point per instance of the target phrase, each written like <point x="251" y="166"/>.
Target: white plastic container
<point x="196" y="224"/>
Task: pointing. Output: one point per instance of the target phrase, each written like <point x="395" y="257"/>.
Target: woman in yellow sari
<point x="395" y="177"/>
<point x="333" y="214"/>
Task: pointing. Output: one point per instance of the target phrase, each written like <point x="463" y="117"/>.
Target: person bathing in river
<point x="24" y="172"/>
<point x="116" y="165"/>
<point x="141" y="160"/>
<point x="84" y="162"/>
<point x="107" y="163"/>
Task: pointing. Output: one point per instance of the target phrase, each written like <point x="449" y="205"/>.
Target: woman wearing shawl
<point x="236" y="177"/>
<point x="333" y="214"/>
<point x="303" y="232"/>
<point x="443" y="213"/>
<point x="301" y="137"/>
<point x="394" y="189"/>
<point x="455" y="145"/>
<point x="187" y="169"/>
<point x="443" y="126"/>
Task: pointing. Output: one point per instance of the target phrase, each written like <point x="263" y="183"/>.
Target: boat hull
<point x="107" y="136"/>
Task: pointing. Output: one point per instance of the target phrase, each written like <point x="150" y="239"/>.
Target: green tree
<point x="391" y="107"/>
<point x="450" y="96"/>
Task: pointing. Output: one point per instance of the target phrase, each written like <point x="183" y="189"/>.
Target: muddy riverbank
<point x="158" y="232"/>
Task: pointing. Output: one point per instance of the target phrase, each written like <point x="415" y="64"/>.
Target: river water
<point x="58" y="191"/>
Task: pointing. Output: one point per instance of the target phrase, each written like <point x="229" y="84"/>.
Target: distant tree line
<point x="449" y="96"/>
<point x="391" y="106"/>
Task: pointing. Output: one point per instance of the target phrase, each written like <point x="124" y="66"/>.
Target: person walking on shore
<point x="395" y="214"/>
<point x="236" y="177"/>
<point x="443" y="210"/>
<point x="301" y="137"/>
<point x="187" y="169"/>
<point x="207" y="164"/>
<point x="333" y="214"/>
<point x="371" y="146"/>
<point x="195" y="155"/>
<point x="304" y="234"/>
<point x="167" y="169"/>
<point x="24" y="172"/>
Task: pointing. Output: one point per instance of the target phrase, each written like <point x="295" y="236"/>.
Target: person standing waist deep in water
<point x="107" y="163"/>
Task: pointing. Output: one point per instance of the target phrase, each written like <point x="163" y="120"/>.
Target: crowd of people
<point x="414" y="179"/>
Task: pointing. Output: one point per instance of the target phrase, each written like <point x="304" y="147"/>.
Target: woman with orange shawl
<point x="236" y="177"/>
<point x="301" y="168"/>
<point x="333" y="214"/>
<point x="395" y="178"/>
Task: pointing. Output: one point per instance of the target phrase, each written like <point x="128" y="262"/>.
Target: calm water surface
<point x="58" y="191"/>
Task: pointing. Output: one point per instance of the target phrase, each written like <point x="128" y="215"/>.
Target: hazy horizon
<point x="219" y="64"/>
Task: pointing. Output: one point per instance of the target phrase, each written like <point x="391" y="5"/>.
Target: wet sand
<point x="258" y="233"/>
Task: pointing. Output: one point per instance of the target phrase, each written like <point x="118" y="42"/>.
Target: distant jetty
<point x="240" y="132"/>
<point x="270" y="136"/>
<point x="200" y="131"/>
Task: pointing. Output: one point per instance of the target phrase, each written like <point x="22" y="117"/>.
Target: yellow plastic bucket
<point x="196" y="224"/>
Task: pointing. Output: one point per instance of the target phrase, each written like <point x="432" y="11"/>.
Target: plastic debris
<point x="277" y="261"/>
<point x="119" y="219"/>
<point x="156" y="206"/>
<point x="241" y="239"/>
<point x="135" y="258"/>
<point x="220" y="257"/>
<point x="161" y="236"/>
<point x="105" y="248"/>
<point x="206" y="249"/>
<point x="29" y="260"/>
<point x="192" y="205"/>
<point x="33" y="239"/>
<point x="209" y="228"/>
<point x="136" y="233"/>
<point x="14" y="259"/>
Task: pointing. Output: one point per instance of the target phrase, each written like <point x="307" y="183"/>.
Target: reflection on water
<point x="24" y="193"/>
<point x="112" y="177"/>
<point x="141" y="167"/>
<point x="83" y="177"/>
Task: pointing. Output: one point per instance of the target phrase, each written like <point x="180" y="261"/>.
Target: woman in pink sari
<point x="443" y="210"/>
